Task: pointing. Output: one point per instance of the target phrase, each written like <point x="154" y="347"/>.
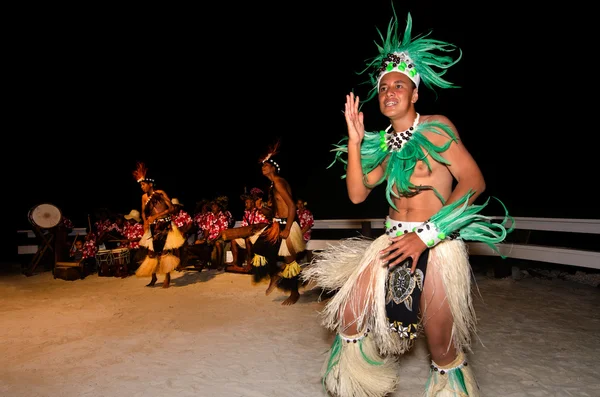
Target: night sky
<point x="199" y="97"/>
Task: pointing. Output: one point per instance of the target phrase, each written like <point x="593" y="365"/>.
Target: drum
<point x="120" y="261"/>
<point x="104" y="256"/>
<point x="241" y="232"/>
<point x="45" y="216"/>
<point x="104" y="259"/>
<point x="120" y="256"/>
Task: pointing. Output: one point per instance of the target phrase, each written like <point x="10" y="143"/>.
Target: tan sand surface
<point x="217" y="334"/>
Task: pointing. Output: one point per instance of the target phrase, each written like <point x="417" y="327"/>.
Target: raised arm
<point x="355" y="179"/>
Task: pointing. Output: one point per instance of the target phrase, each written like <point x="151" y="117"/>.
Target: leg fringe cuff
<point x="355" y="368"/>
<point x="453" y="380"/>
<point x="291" y="270"/>
<point x="259" y="260"/>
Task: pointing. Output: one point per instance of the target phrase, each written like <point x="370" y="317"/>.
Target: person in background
<point x="101" y="225"/>
<point x="217" y="220"/>
<point x="242" y="242"/>
<point x="113" y="235"/>
<point x="84" y="254"/>
<point x="90" y="249"/>
<point x="182" y="218"/>
<point x="186" y="226"/>
<point x="307" y="221"/>
<point x="282" y="238"/>
<point x="199" y="252"/>
<point x="133" y="231"/>
<point x="252" y="217"/>
<point x="161" y="236"/>
<point x="264" y="211"/>
<point x="305" y="218"/>
<point x="76" y="252"/>
<point x="67" y="223"/>
<point x="224" y="204"/>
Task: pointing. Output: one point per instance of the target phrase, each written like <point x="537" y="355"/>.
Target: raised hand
<point x="354" y="119"/>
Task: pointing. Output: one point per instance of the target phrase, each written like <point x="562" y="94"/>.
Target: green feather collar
<point x="399" y="152"/>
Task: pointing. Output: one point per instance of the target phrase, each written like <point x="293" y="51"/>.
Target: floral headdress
<point x="273" y="150"/>
<point x="140" y="173"/>
<point x="256" y="193"/>
<point x="412" y="57"/>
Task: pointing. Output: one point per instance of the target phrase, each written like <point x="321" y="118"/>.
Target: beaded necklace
<point x="149" y="198"/>
<point x="393" y="141"/>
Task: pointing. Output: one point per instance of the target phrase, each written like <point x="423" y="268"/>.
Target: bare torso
<point x="280" y="206"/>
<point x="155" y="206"/>
<point x="422" y="206"/>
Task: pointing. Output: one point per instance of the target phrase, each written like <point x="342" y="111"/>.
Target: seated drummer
<point x="253" y="215"/>
<point x="213" y="224"/>
<point x="133" y="232"/>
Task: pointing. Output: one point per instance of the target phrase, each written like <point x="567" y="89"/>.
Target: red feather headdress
<point x="273" y="150"/>
<point x="140" y="173"/>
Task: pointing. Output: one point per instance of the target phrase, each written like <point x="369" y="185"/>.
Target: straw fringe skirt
<point x="354" y="270"/>
<point x="295" y="240"/>
<point x="163" y="263"/>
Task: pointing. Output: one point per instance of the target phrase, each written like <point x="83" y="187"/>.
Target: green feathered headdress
<point x="413" y="57"/>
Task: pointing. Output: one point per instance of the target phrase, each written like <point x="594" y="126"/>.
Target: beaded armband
<point x="464" y="221"/>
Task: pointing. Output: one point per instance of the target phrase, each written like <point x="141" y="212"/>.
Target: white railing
<point x="542" y="253"/>
<point x="564" y="256"/>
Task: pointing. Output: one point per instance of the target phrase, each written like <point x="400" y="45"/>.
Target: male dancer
<point x="416" y="276"/>
<point x="161" y="236"/>
<point x="283" y="237"/>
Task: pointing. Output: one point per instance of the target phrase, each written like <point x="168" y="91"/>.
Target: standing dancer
<point x="282" y="238"/>
<point x="161" y="236"/>
<point x="416" y="277"/>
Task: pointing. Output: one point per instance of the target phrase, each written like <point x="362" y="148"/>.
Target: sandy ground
<point x="217" y="334"/>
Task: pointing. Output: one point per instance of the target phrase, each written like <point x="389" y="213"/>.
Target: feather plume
<point x="426" y="54"/>
<point x="273" y="150"/>
<point x="140" y="172"/>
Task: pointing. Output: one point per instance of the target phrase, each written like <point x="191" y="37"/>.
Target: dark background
<point x="199" y="94"/>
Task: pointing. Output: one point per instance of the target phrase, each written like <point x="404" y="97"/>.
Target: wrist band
<point x="430" y="234"/>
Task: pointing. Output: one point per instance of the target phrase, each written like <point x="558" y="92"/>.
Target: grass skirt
<point x="294" y="243"/>
<point x="355" y="271"/>
<point x="162" y="263"/>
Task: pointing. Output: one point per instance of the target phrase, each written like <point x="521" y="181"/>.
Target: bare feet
<point x="272" y="284"/>
<point x="237" y="269"/>
<point x="167" y="281"/>
<point x="293" y="298"/>
<point x="152" y="282"/>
